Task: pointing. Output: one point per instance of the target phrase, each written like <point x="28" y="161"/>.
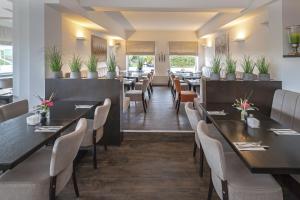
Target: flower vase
<point x="43" y="118"/>
<point x="244" y="115"/>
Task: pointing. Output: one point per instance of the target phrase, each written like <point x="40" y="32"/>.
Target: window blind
<point x="183" y="48"/>
<point x="140" y="47"/>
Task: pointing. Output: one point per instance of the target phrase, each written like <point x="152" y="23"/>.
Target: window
<point x="133" y="60"/>
<point x="183" y="63"/>
<point x="6" y="59"/>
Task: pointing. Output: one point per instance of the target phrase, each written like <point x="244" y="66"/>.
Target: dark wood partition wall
<point x="92" y="90"/>
<point x="228" y="91"/>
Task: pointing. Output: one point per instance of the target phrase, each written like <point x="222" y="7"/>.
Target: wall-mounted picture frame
<point x="222" y="44"/>
<point x="99" y="48"/>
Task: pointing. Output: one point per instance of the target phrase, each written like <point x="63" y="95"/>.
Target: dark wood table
<point x="282" y="156"/>
<point x="18" y="140"/>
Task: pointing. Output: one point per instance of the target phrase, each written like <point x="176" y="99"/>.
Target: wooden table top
<point x="282" y="156"/>
<point x="18" y="140"/>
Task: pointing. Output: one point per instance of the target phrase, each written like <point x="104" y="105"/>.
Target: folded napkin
<point x="284" y="131"/>
<point x="250" y="146"/>
<point x="83" y="106"/>
<point x="54" y="129"/>
<point x="216" y="112"/>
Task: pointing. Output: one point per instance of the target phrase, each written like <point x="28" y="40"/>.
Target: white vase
<point x="75" y="75"/>
<point x="244" y="115"/>
<point x="92" y="75"/>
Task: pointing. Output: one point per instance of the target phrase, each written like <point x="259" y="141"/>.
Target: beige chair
<point x="139" y="85"/>
<point x="95" y="129"/>
<point x="231" y="179"/>
<point x="47" y="168"/>
<point x="139" y="95"/>
<point x="13" y="110"/>
<point x="194" y="117"/>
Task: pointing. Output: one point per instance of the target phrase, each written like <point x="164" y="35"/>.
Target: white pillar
<point x="29" y="58"/>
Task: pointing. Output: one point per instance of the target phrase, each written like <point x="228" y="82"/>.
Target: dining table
<point x="193" y="84"/>
<point x="18" y="140"/>
<point x="281" y="156"/>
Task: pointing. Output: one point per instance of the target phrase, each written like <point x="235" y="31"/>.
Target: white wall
<point x="264" y="39"/>
<point x="161" y="39"/>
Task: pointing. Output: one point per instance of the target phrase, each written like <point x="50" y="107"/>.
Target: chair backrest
<point x="66" y="148"/>
<point x="14" y="109"/>
<point x="101" y="114"/>
<point x="213" y="151"/>
<point x="192" y="114"/>
<point x="285" y="108"/>
<point x="177" y="85"/>
<point x="145" y="85"/>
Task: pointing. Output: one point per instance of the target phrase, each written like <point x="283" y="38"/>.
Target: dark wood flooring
<point x="147" y="166"/>
<point x="161" y="114"/>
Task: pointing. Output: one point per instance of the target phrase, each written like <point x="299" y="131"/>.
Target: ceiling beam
<point x="167" y="5"/>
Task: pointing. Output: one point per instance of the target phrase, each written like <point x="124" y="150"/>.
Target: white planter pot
<point x="214" y="76"/>
<point x="264" y="77"/>
<point x="248" y="77"/>
<point x="56" y="74"/>
<point x="75" y="75"/>
<point x="92" y="75"/>
<point x="230" y="77"/>
<point x="111" y="75"/>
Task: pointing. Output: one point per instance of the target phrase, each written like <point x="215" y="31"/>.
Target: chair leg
<point x="151" y="87"/>
<point x="195" y="149"/>
<point x="52" y="189"/>
<point x="225" y="190"/>
<point x="178" y="107"/>
<point x="75" y="181"/>
<point x="149" y="93"/>
<point x="94" y="150"/>
<point x="201" y="159"/>
<point x="210" y="189"/>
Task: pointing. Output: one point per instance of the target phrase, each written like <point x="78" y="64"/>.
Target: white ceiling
<point x="169" y="21"/>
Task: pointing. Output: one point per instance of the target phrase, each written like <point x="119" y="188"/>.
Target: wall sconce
<point x="209" y="43"/>
<point x="240" y="37"/>
<point x="161" y="57"/>
<point x="111" y="43"/>
<point x="80" y="35"/>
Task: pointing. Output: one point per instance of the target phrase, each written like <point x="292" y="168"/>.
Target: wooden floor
<point x="161" y="114"/>
<point x="148" y="166"/>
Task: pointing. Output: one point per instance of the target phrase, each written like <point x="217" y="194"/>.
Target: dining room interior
<point x="149" y="99"/>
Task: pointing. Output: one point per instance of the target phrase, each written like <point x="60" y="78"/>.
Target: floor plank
<point x="161" y="114"/>
<point x="146" y="166"/>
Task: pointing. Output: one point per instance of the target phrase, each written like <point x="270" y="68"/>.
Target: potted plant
<point x="248" y="67"/>
<point x="216" y="68"/>
<point x="75" y="67"/>
<point x="263" y="68"/>
<point x="111" y="65"/>
<point x="230" y="68"/>
<point x="54" y="60"/>
<point x="92" y="67"/>
<point x="140" y="63"/>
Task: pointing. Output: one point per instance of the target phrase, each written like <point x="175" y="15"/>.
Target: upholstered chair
<point x="95" y="129"/>
<point x="14" y="109"/>
<point x="139" y="85"/>
<point x="194" y="117"/>
<point x="47" y="168"/>
<point x="231" y="179"/>
<point x="183" y="96"/>
<point x="139" y="95"/>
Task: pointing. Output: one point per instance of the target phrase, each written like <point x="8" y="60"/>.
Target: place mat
<point x="54" y="129"/>
<point x="284" y="131"/>
<point x="83" y="106"/>
<point x="215" y="112"/>
<point x="250" y="146"/>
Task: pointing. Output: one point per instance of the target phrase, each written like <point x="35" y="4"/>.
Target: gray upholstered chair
<point x="194" y="117"/>
<point x="95" y="129"/>
<point x="139" y="95"/>
<point x="13" y="110"/>
<point x="231" y="179"/>
<point x="47" y="168"/>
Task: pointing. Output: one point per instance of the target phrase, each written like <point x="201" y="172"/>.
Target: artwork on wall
<point x="99" y="48"/>
<point x="222" y="45"/>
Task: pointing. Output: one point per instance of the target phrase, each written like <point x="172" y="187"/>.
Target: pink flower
<point x="245" y="105"/>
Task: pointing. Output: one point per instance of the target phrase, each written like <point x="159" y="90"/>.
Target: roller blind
<point x="183" y="48"/>
<point x="140" y="47"/>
